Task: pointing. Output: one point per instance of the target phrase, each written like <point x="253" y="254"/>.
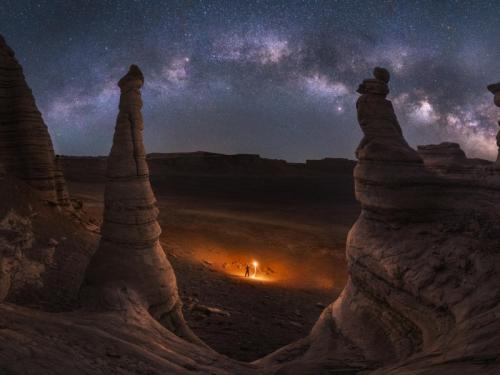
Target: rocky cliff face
<point x="130" y="260"/>
<point x="25" y="146"/>
<point x="423" y="259"/>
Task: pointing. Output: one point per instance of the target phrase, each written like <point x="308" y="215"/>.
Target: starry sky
<point x="277" y="78"/>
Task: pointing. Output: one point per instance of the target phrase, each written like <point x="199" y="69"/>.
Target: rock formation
<point x="25" y="146"/>
<point x="383" y="138"/>
<point x="495" y="90"/>
<point x="449" y="158"/>
<point x="60" y="184"/>
<point x="423" y="295"/>
<point x="446" y="154"/>
<point x="130" y="261"/>
<point x="424" y="292"/>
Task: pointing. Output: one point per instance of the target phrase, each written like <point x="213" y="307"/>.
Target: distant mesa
<point x="201" y="162"/>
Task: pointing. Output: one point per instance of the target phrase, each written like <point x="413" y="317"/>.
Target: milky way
<point x="271" y="77"/>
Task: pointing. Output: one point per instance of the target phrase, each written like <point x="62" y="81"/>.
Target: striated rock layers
<point x="495" y="90"/>
<point x="25" y="146"/>
<point x="423" y="257"/>
<point x="130" y="262"/>
<point x="383" y="138"/>
<point x="446" y="153"/>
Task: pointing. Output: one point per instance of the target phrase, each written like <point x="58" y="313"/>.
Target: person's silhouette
<point x="247" y="271"/>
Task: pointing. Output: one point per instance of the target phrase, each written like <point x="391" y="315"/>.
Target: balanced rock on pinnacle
<point x="26" y="149"/>
<point x="381" y="74"/>
<point x="423" y="290"/>
<point x="130" y="264"/>
<point x="383" y="138"/>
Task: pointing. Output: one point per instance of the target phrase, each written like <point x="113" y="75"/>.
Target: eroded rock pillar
<point x="495" y="90"/>
<point x="383" y="139"/>
<point x="26" y="149"/>
<point x="130" y="262"/>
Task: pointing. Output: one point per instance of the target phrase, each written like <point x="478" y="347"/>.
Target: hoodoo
<point x="383" y="138"/>
<point x="130" y="262"/>
<point x="423" y="292"/>
<point x="26" y="149"/>
<point x="495" y="90"/>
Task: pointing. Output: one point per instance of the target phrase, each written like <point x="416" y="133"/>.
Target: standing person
<point x="247" y="271"/>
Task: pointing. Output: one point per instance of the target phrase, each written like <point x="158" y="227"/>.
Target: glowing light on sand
<point x="255" y="265"/>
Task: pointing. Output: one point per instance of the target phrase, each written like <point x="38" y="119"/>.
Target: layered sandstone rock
<point x="25" y="146"/>
<point x="449" y="157"/>
<point x="445" y="153"/>
<point x="424" y="292"/>
<point x="383" y="138"/>
<point x="130" y="262"/>
<point x="495" y="90"/>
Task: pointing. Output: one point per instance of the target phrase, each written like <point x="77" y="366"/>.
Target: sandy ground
<point x="212" y="229"/>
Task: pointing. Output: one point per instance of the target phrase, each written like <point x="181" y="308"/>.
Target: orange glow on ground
<point x="268" y="268"/>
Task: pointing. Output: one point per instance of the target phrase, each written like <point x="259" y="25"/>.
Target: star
<point x="230" y="76"/>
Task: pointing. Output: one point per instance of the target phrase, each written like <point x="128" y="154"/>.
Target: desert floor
<point x="213" y="226"/>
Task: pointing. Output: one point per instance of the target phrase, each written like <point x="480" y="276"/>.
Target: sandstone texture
<point x="424" y="293"/>
<point x="43" y="250"/>
<point x="495" y="90"/>
<point x="446" y="153"/>
<point x="383" y="139"/>
<point x="128" y="342"/>
<point x="130" y="259"/>
<point x="25" y="146"/>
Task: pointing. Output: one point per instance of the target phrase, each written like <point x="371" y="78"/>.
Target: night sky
<point x="276" y="78"/>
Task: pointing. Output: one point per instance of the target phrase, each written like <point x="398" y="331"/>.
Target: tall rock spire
<point x="130" y="260"/>
<point x="26" y="149"/>
<point x="495" y="90"/>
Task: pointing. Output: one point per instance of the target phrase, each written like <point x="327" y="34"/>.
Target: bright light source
<point x="255" y="264"/>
